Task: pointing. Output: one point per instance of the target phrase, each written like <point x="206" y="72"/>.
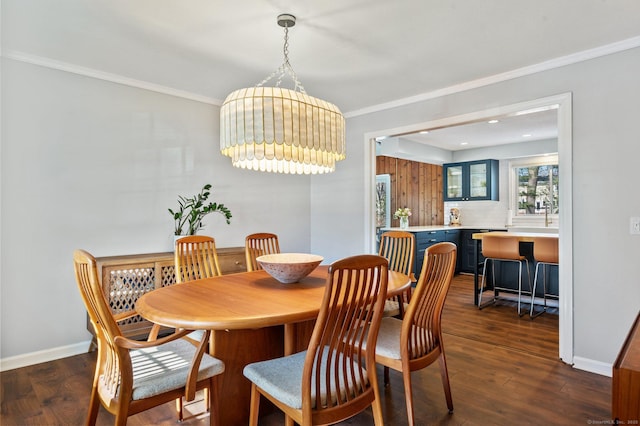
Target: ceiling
<point x="353" y="53"/>
<point x="526" y="126"/>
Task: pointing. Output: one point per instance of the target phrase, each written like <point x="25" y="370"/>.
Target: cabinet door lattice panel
<point x="167" y="275"/>
<point x="125" y="286"/>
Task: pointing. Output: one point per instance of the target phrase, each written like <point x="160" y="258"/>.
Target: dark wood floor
<point x="504" y="370"/>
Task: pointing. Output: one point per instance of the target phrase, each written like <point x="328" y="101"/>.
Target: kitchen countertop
<point x="522" y="236"/>
<point x="442" y="228"/>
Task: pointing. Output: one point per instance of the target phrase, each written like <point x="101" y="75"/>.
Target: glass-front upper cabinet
<point x="453" y="187"/>
<point x="478" y="180"/>
<point x="472" y="180"/>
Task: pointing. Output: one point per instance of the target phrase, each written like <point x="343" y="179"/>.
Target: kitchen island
<point x="507" y="274"/>
<point x="470" y="259"/>
<point x="461" y="236"/>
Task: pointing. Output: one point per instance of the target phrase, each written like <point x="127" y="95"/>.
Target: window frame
<point x="514" y="196"/>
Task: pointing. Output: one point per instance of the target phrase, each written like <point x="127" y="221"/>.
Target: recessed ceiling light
<point x="424" y="132"/>
<point x="464" y="143"/>
<point x="492" y="121"/>
<point x="526" y="135"/>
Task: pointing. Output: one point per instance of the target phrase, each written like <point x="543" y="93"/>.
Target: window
<point x="534" y="189"/>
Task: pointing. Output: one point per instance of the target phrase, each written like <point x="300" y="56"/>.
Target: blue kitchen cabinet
<point x="471" y="180"/>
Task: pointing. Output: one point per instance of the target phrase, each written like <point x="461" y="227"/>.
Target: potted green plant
<point x="188" y="217"/>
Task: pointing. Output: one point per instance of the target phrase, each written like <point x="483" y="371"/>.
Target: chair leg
<point x="400" y="300"/>
<point x="94" y="407"/>
<point x="519" y="287"/>
<point x="288" y="421"/>
<point x="520" y="284"/>
<point x="493" y="279"/>
<point x="408" y="395"/>
<point x="533" y="292"/>
<point x="179" y="409"/>
<point x="376" y="405"/>
<point x="526" y="261"/>
<point x="442" y="360"/>
<point x="544" y="285"/>
<point x="386" y="376"/>
<point x="121" y="419"/>
<point x="482" y="286"/>
<point x="254" y="406"/>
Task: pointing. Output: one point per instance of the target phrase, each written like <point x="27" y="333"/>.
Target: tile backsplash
<point x="484" y="214"/>
<point x="479" y="213"/>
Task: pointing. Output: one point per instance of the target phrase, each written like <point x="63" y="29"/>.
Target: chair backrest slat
<point x="196" y="258"/>
<point x="350" y="314"/>
<point x="113" y="362"/>
<point x="421" y="328"/>
<point x="398" y="248"/>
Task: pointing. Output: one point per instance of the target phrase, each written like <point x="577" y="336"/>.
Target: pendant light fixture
<point x="274" y="129"/>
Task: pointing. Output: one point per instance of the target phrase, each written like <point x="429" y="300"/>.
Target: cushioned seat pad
<point x="165" y="367"/>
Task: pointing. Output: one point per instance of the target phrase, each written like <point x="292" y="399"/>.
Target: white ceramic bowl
<point x="289" y="267"/>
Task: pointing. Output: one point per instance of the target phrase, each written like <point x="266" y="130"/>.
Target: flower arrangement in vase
<point x="403" y="214"/>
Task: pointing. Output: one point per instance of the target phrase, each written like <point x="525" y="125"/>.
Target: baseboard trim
<point x="46" y="355"/>
<point x="592" y="366"/>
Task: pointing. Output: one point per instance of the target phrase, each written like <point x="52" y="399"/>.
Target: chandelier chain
<point x="285" y="68"/>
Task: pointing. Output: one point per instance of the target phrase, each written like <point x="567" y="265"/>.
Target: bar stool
<point x="503" y="249"/>
<point x="545" y="252"/>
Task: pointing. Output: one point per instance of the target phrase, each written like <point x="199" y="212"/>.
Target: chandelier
<point x="273" y="129"/>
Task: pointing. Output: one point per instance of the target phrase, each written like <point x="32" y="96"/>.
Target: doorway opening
<point x="564" y="113"/>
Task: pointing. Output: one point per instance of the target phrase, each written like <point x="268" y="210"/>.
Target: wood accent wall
<point x="415" y="185"/>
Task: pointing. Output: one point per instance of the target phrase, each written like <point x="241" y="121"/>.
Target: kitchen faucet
<point x="547" y="219"/>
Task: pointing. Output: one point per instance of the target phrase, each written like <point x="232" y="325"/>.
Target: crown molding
<point x="573" y="58"/>
<point x="101" y="75"/>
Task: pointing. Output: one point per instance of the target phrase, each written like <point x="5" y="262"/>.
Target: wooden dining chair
<point x="415" y="342"/>
<point x="258" y="244"/>
<point x="333" y="379"/>
<point x="133" y="376"/>
<point x="196" y="258"/>
<point x="398" y="247"/>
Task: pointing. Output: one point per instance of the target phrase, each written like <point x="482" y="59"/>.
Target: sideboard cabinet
<point x="126" y="278"/>
<point x="626" y="379"/>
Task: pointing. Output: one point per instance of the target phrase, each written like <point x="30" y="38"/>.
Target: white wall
<point x="605" y="154"/>
<point x="95" y="165"/>
<point x="92" y="164"/>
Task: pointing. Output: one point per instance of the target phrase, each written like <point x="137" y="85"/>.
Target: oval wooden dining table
<point x="252" y="316"/>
